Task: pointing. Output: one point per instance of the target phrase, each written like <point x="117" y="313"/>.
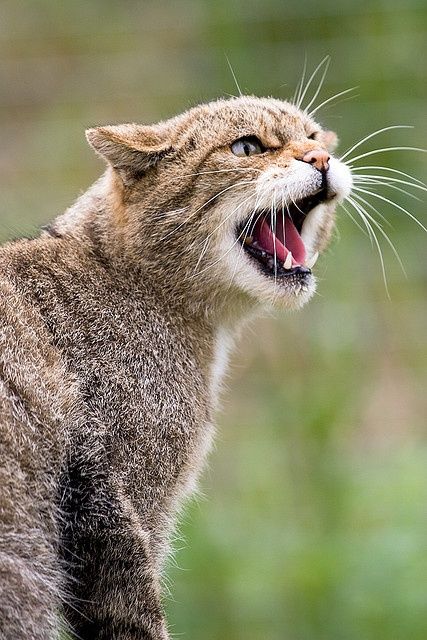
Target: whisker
<point x="394" y="204"/>
<point x="337" y="95"/>
<point x="261" y="213"/>
<point x="241" y="204"/>
<point x="300" y="84"/>
<point x="380" y="180"/>
<point x="202" y="253"/>
<point x="250" y="222"/>
<point x="392" y="170"/>
<point x="219" y="259"/>
<point x="245" y="235"/>
<point x="274" y="229"/>
<point x="375" y="151"/>
<point x="319" y="86"/>
<point x="283" y="216"/>
<point x="369" y="204"/>
<point x="236" y="262"/>
<point x="386" y="184"/>
<point x="356" y="206"/>
<point x="372" y="135"/>
<point x="355" y="221"/>
<point x="383" y="233"/>
<point x="295" y="205"/>
<point x="217" y="195"/>
<point x="234" y="75"/>
<point x="326" y="60"/>
<point x="234" y="169"/>
<point x="174" y="212"/>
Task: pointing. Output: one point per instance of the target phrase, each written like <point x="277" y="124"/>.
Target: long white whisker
<point x="241" y="204"/>
<point x="380" y="180"/>
<point x="361" y="213"/>
<point x="282" y="196"/>
<point x="217" y="195"/>
<point x="295" y="205"/>
<point x="369" y="204"/>
<point x="300" y="84"/>
<point x="385" y="184"/>
<point x="216" y="261"/>
<point x="234" y="75"/>
<point x="251" y="223"/>
<point x="372" y="135"/>
<point x="236" y="262"/>
<point x="202" y="253"/>
<point x="245" y="235"/>
<point x="224" y="255"/>
<point x="337" y="95"/>
<point x="273" y="228"/>
<point x="383" y="233"/>
<point x="234" y="169"/>
<point x="355" y="221"/>
<point x="319" y="86"/>
<point x="392" y="170"/>
<point x="375" y="151"/>
<point x="326" y="60"/>
<point x="394" y="204"/>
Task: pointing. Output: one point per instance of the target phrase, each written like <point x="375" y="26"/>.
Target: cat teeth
<point x="310" y="263"/>
<point x="288" y="262"/>
<point x="249" y="240"/>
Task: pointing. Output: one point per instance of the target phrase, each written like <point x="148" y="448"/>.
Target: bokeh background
<point x="313" y="519"/>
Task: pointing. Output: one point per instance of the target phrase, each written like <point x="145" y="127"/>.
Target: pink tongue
<point x="290" y="240"/>
<point x="293" y="242"/>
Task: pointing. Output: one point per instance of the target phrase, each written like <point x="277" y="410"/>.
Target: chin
<point x="289" y="291"/>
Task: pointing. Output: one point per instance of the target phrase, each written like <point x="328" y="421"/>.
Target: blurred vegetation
<point x="314" y="520"/>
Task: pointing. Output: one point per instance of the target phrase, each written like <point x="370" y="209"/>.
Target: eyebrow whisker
<point x="327" y="60"/>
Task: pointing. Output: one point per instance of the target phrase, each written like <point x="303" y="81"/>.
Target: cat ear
<point x="130" y="148"/>
<point x="329" y="139"/>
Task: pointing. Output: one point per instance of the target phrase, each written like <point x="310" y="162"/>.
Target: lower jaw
<point x="274" y="270"/>
<point x="290" y="291"/>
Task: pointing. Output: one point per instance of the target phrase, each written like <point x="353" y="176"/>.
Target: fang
<point x="288" y="262"/>
<point x="310" y="263"/>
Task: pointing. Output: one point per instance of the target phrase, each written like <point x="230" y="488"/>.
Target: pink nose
<point x="318" y="157"/>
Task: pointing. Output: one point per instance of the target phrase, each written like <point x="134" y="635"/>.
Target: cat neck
<point x="100" y="223"/>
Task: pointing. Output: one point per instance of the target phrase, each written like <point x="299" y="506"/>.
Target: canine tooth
<point x="249" y="240"/>
<point x="310" y="263"/>
<point x="288" y="262"/>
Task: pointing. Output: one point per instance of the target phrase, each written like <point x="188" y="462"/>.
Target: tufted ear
<point x="329" y="139"/>
<point x="130" y="148"/>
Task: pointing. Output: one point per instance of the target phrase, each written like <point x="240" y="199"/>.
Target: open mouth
<point x="274" y="239"/>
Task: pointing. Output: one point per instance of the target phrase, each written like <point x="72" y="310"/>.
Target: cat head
<point x="232" y="197"/>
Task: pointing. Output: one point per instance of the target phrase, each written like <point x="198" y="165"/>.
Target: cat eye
<point x="312" y="136"/>
<point x="249" y="146"/>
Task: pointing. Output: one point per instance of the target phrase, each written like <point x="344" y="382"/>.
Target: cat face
<point x="237" y="193"/>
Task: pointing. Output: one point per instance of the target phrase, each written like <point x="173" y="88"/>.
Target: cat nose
<point x="319" y="158"/>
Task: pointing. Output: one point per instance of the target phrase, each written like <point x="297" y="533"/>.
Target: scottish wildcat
<point x="116" y="323"/>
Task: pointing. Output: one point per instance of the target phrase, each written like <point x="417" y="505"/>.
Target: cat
<point x="116" y="326"/>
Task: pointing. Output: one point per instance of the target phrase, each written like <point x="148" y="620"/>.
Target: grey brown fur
<point x="110" y="358"/>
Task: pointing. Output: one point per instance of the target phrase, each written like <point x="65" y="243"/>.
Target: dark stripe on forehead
<point x="274" y="113"/>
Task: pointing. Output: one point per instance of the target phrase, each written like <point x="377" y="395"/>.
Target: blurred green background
<point x="313" y="520"/>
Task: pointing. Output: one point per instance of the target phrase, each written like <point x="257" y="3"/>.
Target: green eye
<point x="249" y="146"/>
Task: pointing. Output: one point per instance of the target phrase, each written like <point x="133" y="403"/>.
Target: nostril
<point x="317" y="157"/>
